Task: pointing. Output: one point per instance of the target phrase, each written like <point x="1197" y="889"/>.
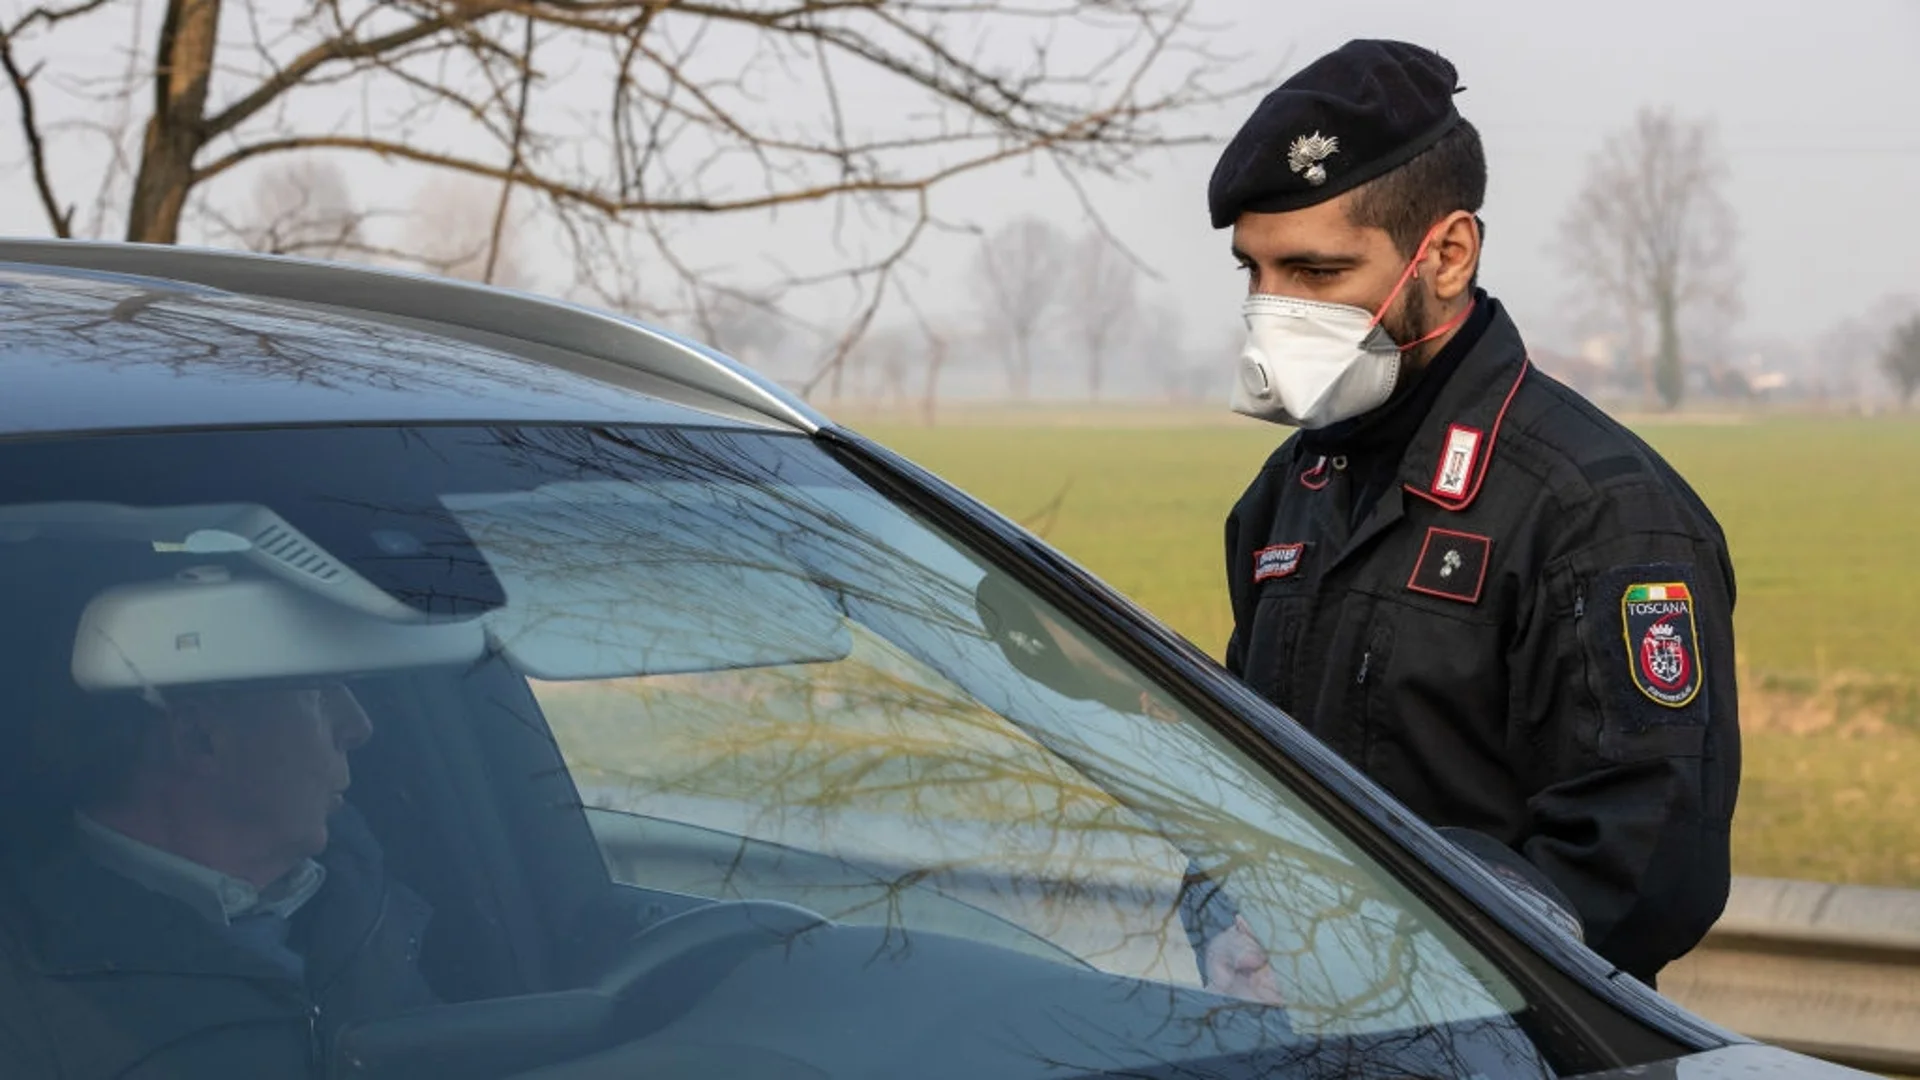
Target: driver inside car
<point x="212" y="906"/>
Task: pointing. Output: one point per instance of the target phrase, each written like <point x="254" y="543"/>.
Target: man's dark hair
<point x="1450" y="175"/>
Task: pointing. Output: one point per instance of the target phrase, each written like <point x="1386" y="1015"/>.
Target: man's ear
<point x="1453" y="256"/>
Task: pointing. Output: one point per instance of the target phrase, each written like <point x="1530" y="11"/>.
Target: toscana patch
<point x="1663" y="648"/>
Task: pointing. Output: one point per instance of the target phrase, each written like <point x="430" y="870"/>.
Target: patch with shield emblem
<point x="1663" y="649"/>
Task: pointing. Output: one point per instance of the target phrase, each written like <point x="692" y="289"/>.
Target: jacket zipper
<point x="315" y="1046"/>
<point x="315" y="1058"/>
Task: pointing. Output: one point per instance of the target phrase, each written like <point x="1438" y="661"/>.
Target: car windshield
<point x="611" y="688"/>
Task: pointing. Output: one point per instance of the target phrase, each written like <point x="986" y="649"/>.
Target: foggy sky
<point x="1816" y="107"/>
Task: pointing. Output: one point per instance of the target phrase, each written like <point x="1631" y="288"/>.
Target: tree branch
<point x="342" y="48"/>
<point x="62" y="220"/>
<point x="53" y="16"/>
<point x="615" y="206"/>
<point x="514" y="163"/>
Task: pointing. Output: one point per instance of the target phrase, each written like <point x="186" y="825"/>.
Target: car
<point x="701" y="735"/>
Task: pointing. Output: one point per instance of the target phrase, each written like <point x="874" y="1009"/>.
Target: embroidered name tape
<point x="1278" y="561"/>
<point x="1454" y="475"/>
<point x="1663" y="648"/>
<point x="1452" y="565"/>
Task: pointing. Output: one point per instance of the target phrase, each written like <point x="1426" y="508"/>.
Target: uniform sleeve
<point x="1625" y="703"/>
<point x="1236" y="659"/>
<point x="1247" y="522"/>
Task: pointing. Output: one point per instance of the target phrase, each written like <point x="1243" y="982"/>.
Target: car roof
<point x="120" y="337"/>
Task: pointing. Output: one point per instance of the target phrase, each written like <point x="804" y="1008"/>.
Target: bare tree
<point x="1018" y="278"/>
<point x="301" y="206"/>
<point x="744" y="325"/>
<point x="453" y="229"/>
<point x="892" y="355"/>
<point x="1845" y="360"/>
<point x="1157" y="350"/>
<point x="1900" y="360"/>
<point x="1651" y="240"/>
<point x="617" y="117"/>
<point x="1105" y="295"/>
<point x="940" y="344"/>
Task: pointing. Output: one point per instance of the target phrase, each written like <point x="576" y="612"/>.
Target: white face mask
<point x="1312" y="364"/>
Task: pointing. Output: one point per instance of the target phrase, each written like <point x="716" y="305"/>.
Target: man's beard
<point x="1412" y="323"/>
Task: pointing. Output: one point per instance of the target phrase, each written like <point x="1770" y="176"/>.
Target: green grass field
<point x="1823" y="516"/>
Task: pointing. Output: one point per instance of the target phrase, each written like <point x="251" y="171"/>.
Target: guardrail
<point x="1832" y="971"/>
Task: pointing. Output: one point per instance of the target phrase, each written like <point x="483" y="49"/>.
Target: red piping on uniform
<point x="1486" y="455"/>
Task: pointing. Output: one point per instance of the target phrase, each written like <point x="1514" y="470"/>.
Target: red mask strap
<point x="1448" y="327"/>
<point x="1413" y="266"/>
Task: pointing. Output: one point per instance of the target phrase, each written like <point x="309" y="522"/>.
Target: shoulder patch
<point x="1663" y="647"/>
<point x="1278" y="561"/>
<point x="1452" y="565"/>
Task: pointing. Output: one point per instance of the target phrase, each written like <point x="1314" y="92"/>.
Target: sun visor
<point x="614" y="581"/>
<point x="715" y="616"/>
<point x="206" y="626"/>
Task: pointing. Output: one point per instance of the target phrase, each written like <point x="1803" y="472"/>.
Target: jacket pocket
<point x="1279" y="621"/>
<point x="1427" y="695"/>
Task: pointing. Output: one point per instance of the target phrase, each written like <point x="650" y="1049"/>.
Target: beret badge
<point x="1307" y="154"/>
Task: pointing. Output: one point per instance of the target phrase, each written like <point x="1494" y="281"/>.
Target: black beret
<point x="1358" y="112"/>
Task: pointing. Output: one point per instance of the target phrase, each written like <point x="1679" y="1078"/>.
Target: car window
<point x="759" y="679"/>
<point x="911" y="746"/>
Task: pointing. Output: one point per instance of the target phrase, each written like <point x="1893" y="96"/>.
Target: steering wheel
<point x="704" y="943"/>
<point x="680" y="957"/>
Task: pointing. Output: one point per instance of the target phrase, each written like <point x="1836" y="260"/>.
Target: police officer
<point x="1470" y="582"/>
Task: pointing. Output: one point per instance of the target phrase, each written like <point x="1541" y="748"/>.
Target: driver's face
<point x="277" y="762"/>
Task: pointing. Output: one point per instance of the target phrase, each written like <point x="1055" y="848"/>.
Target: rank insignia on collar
<point x="1278" y="561"/>
<point x="1454" y="474"/>
<point x="1452" y="565"/>
<point x="1663" y="648"/>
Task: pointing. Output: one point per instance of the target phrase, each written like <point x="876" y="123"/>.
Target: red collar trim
<point x="1482" y="451"/>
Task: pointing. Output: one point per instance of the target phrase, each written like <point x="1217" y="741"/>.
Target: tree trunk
<point x="1022" y="374"/>
<point x="184" y="67"/>
<point x="1668" y="376"/>
<point x="930" y="399"/>
<point x="833" y="387"/>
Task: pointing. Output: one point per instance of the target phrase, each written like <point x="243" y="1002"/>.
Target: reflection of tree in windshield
<point x="119" y="325"/>
<point x="738" y="634"/>
<point x="1071" y="819"/>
